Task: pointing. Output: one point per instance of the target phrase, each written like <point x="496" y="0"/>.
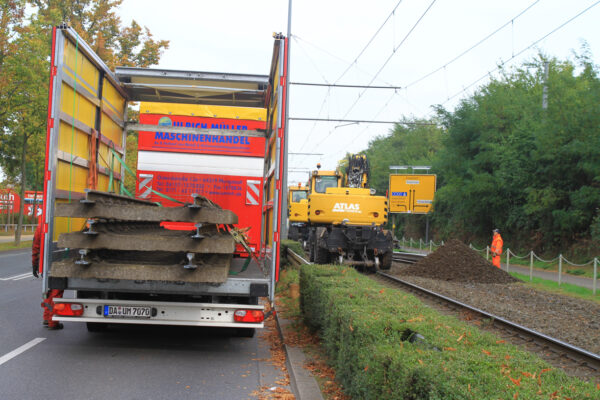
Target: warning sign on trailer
<point x="411" y="194"/>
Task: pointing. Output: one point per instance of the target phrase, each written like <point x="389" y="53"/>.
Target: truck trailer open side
<point x="86" y="142"/>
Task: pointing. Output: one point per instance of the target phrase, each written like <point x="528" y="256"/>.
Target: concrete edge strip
<point x="22" y="349"/>
<point x="293" y="358"/>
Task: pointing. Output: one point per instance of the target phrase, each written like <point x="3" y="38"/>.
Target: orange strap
<point x="92" y="180"/>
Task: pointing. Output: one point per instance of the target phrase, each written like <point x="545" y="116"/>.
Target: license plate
<point x="127" y="312"/>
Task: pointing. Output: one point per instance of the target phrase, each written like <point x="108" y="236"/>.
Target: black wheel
<point x="96" y="326"/>
<point x="311" y="247"/>
<point x="321" y="253"/>
<point x="246" y="332"/>
<point x="386" y="260"/>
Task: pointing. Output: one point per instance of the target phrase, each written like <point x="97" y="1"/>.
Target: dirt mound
<point x="456" y="262"/>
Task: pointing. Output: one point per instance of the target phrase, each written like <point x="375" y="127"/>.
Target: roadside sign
<point x="411" y="194"/>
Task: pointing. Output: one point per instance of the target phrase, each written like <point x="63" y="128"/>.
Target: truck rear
<point x="200" y="243"/>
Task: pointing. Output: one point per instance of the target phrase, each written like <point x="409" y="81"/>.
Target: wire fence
<point x="562" y="261"/>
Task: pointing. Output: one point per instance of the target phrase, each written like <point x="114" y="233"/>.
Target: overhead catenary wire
<point x="472" y="47"/>
<point x="394" y="50"/>
<point x="368" y="43"/>
<point x="382" y="67"/>
<point x="465" y="88"/>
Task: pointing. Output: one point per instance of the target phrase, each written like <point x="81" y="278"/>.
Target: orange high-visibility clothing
<point x="496" y="249"/>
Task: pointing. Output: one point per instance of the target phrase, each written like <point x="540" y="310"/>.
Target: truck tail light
<point x="252" y="316"/>
<point x="68" y="309"/>
<point x="317" y="212"/>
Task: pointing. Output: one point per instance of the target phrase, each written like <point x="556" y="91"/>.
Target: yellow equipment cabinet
<point x="410" y="193"/>
<point x="346" y="222"/>
<point x="298" y="213"/>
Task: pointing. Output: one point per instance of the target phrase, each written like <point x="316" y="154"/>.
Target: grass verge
<point x="385" y="344"/>
<point x="565" y="288"/>
<point x="11" y="245"/>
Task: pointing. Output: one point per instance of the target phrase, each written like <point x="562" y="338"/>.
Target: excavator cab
<point x="298" y="213"/>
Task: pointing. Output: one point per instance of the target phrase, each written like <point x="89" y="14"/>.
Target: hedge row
<point x="384" y="344"/>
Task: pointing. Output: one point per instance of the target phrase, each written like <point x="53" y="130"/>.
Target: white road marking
<point x="14" y="254"/>
<point x="23" y="277"/>
<point x="20" y="276"/>
<point x="16" y="352"/>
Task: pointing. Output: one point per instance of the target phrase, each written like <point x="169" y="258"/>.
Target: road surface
<point x="123" y="363"/>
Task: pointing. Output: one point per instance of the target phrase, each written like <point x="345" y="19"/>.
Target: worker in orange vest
<point x="48" y="303"/>
<point x="496" y="247"/>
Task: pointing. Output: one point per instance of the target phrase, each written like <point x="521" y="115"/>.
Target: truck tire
<point x="386" y="260"/>
<point x="96" y="326"/>
<point x="321" y="253"/>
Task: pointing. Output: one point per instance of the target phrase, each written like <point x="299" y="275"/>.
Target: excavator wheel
<point x="386" y="260"/>
<point x="321" y="253"/>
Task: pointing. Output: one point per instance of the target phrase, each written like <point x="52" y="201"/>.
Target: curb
<point x="302" y="382"/>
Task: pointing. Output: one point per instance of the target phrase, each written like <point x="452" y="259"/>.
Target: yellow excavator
<point x="346" y="218"/>
<point x="298" y="213"/>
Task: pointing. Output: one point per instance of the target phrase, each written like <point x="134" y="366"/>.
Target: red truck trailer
<point x="215" y="134"/>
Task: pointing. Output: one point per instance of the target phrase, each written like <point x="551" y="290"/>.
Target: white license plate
<point x="127" y="312"/>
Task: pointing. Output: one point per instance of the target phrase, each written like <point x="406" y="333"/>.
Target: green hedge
<point x="295" y="246"/>
<point x="366" y="331"/>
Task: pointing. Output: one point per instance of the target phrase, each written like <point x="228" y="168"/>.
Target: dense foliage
<point x="25" y="42"/>
<point x="504" y="161"/>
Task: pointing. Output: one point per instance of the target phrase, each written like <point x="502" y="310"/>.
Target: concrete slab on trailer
<point x="134" y="212"/>
<point x="251" y="282"/>
<point x="214" y="270"/>
<point x="139" y="241"/>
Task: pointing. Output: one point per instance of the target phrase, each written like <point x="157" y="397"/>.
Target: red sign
<point x="240" y="194"/>
<point x="201" y="143"/>
<point x="10" y="201"/>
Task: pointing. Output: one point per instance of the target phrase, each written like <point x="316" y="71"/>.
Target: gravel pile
<point x="456" y="262"/>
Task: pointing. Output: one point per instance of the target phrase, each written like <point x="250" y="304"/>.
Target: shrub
<point x="368" y="331"/>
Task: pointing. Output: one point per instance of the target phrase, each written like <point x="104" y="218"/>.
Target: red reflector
<point x="253" y="316"/>
<point x="68" y="309"/>
<point x="376" y="214"/>
<point x="317" y="212"/>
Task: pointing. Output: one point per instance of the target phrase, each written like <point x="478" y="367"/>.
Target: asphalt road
<point x="123" y="363"/>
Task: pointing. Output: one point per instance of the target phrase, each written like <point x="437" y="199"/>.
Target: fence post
<point x="559" y="269"/>
<point x="487" y="253"/>
<point x="507" y="259"/>
<point x="420" y="244"/>
<point x="531" y="266"/>
<point x="442" y="242"/>
<point x="403" y="242"/>
<point x="595" y="274"/>
<point x="430" y="246"/>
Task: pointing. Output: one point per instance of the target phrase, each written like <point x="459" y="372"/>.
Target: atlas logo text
<point x="345" y="207"/>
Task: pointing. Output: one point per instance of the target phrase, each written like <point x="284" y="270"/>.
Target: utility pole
<point x="545" y="89"/>
<point x="286" y="136"/>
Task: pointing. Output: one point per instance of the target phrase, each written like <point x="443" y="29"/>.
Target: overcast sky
<point x="236" y="36"/>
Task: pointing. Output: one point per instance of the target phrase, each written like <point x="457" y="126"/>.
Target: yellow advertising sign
<point x="411" y="194"/>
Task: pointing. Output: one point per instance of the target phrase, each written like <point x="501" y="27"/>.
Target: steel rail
<point x="584" y="357"/>
<point x="407" y="258"/>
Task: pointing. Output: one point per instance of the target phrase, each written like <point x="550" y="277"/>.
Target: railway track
<point x="407" y="258"/>
<point x="573" y="360"/>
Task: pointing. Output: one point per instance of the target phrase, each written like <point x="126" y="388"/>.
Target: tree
<point x="508" y="163"/>
<point x="24" y="72"/>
